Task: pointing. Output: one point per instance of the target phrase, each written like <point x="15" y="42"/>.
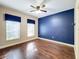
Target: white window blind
<point x="12" y="30"/>
<point x="30" y="29"/>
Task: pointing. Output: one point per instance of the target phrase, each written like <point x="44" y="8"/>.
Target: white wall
<point x="77" y="29"/>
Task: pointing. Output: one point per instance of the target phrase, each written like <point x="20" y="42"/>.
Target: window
<point x="30" y="28"/>
<point x="12" y="30"/>
<point x="12" y="27"/>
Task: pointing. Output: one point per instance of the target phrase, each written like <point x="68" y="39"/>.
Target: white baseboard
<point x="56" y="42"/>
<point x="5" y="46"/>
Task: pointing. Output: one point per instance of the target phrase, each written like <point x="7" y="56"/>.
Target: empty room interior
<point x="39" y="29"/>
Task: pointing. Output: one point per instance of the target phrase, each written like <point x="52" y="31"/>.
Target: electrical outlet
<point x="53" y="37"/>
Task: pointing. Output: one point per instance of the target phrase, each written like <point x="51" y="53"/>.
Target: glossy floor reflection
<point x="38" y="49"/>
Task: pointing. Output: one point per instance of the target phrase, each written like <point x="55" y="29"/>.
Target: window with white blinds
<point x="30" y="28"/>
<point x="12" y="27"/>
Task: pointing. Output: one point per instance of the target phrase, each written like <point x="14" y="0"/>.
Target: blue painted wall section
<point x="59" y="27"/>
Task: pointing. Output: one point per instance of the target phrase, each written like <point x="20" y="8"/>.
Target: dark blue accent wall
<point x="59" y="27"/>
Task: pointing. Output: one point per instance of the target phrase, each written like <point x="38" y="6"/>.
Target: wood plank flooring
<point x="38" y="49"/>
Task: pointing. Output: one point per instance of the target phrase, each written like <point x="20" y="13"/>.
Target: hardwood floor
<point x="38" y="49"/>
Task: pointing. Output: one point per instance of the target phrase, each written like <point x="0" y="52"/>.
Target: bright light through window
<point x="12" y="30"/>
<point x="30" y="30"/>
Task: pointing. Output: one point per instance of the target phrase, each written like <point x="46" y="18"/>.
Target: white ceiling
<point x="52" y="6"/>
